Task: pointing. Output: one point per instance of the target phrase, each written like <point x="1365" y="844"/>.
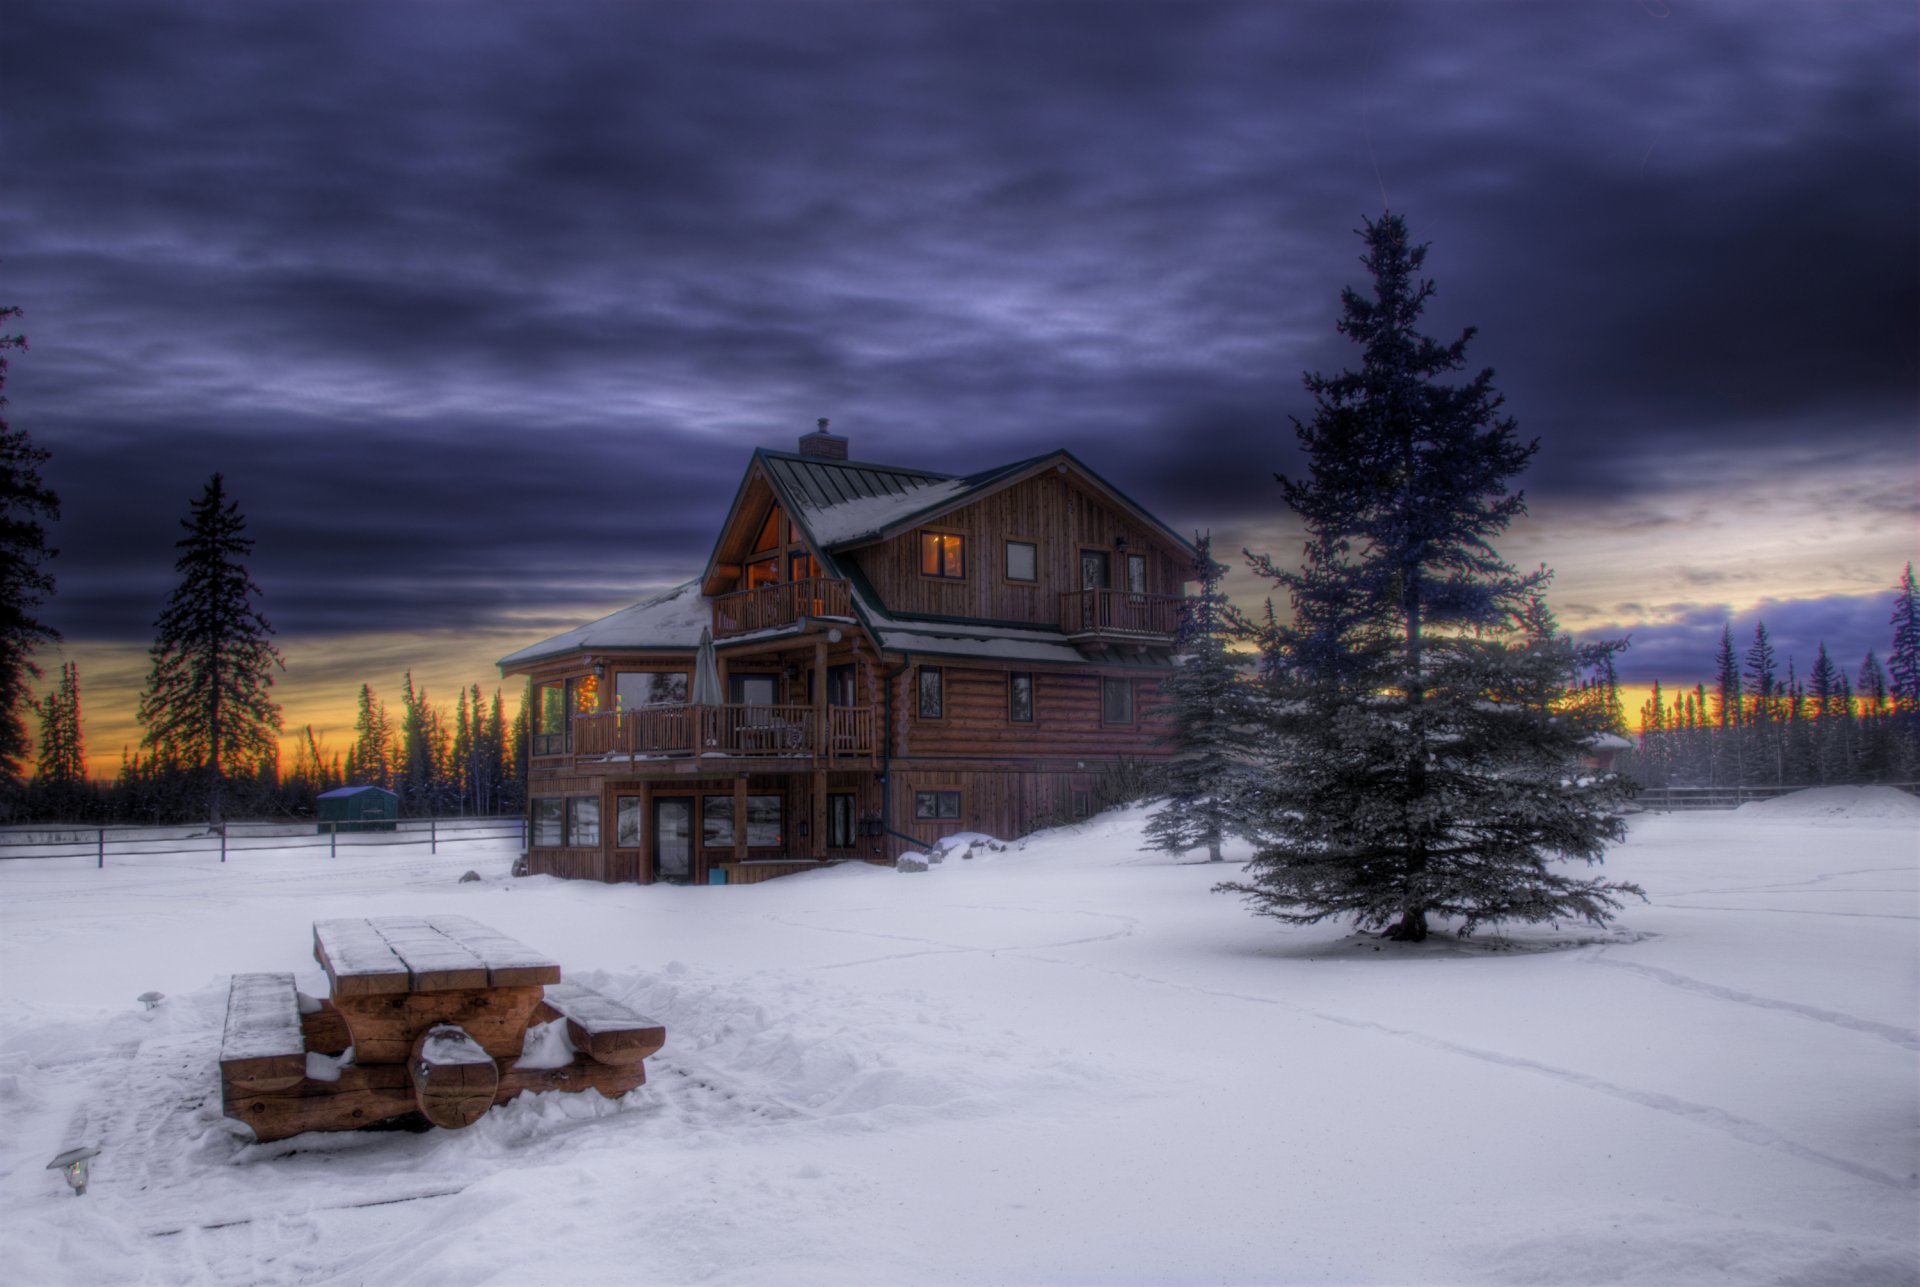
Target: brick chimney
<point x="827" y="446"/>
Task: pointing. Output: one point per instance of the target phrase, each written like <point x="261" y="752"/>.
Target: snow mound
<point x="1855" y="802"/>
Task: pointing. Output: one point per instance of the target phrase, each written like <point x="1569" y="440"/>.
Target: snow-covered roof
<point x="670" y="620"/>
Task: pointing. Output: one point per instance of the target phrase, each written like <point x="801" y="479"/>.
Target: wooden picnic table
<point x="435" y="1011"/>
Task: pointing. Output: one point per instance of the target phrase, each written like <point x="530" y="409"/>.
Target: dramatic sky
<point x="480" y="307"/>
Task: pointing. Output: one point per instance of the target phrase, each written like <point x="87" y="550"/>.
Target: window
<point x="751" y="690"/>
<point x="769" y="538"/>
<point x="583" y="822"/>
<point x="550" y="738"/>
<point x="763" y="572"/>
<point x="1095" y="573"/>
<point x="1137" y="573"/>
<point x="840" y="827"/>
<point x="763" y="821"/>
<point x="942" y="554"/>
<point x="1116" y="701"/>
<point x="633" y="689"/>
<point x="1082" y="804"/>
<point x="936" y="804"/>
<point x="629" y="817"/>
<point x="1020" y="697"/>
<point x="1023" y="561"/>
<point x="549" y="823"/>
<point x="932" y="693"/>
<point x="840" y="687"/>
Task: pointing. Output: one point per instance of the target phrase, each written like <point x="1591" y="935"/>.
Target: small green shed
<point x="361" y="808"/>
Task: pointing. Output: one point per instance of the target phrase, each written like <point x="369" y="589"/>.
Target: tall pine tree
<point x="27" y="505"/>
<point x="1207" y="722"/>
<point x="1428" y="764"/>
<point x="208" y="706"/>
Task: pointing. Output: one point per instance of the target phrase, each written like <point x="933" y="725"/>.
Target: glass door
<point x="673" y="838"/>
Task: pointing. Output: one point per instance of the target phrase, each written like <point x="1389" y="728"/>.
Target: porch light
<point x="73" y="1166"/>
<point x="1119" y="542"/>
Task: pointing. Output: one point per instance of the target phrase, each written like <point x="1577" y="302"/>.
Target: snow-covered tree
<point x="1426" y="762"/>
<point x="208" y="707"/>
<point x="1207" y="721"/>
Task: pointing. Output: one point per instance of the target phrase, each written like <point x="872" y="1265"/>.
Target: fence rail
<point x="57" y="840"/>
<point x="1681" y="799"/>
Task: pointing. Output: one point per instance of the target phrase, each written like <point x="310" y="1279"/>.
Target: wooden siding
<point x="1005" y="804"/>
<point x="1066" y="716"/>
<point x="1051" y="511"/>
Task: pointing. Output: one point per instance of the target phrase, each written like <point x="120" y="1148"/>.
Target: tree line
<point x="1751" y="726"/>
<point x="210" y="726"/>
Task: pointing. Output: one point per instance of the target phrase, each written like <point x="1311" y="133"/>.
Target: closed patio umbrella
<point x="706" y="673"/>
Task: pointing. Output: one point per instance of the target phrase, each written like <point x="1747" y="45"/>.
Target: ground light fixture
<point x="73" y="1166"/>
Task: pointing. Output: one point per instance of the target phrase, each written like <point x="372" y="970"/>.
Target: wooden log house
<point x="900" y="655"/>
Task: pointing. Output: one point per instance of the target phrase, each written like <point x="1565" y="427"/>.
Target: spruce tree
<point x="27" y="505"/>
<point x="1207" y="722"/>
<point x="1427" y="759"/>
<point x="370" y="759"/>
<point x="208" y="707"/>
<point x="1903" y="662"/>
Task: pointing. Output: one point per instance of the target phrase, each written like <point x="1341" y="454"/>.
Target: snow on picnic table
<point x="1065" y="1061"/>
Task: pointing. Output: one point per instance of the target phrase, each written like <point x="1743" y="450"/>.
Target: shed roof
<point x="341" y="793"/>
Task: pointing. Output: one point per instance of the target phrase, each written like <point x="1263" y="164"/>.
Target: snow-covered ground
<point x="1068" y="1062"/>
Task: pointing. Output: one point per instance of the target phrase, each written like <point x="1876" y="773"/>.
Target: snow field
<point x="1068" y="1061"/>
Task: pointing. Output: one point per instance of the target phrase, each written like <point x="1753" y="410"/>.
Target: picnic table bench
<point x="427" y="1017"/>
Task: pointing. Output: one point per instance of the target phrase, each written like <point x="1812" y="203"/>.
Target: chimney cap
<point x="824" y="445"/>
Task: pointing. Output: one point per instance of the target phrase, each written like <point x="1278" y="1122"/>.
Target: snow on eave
<point x="670" y="620"/>
<point x="864" y="517"/>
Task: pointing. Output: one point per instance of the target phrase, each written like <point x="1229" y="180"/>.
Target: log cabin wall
<point x="1003" y="803"/>
<point x="1052" y="511"/>
<point x="1066" y="714"/>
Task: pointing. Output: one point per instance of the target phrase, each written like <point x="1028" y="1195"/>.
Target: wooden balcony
<point x="747" y="732"/>
<point x="1099" y="616"/>
<point x="782" y="603"/>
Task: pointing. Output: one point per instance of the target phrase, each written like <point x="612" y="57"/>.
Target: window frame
<point x="1106" y="567"/>
<point x="653" y="680"/>
<point x="1013" y="705"/>
<point x="940" y="796"/>
<point x="841" y="803"/>
<point x="1006" y="561"/>
<point x="1137" y="562"/>
<point x="537" y="824"/>
<point x="940" y="561"/>
<point x="939" y="676"/>
<point x="576" y="805"/>
<point x="1117" y="684"/>
<point x="707" y="817"/>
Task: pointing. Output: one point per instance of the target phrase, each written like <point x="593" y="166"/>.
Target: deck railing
<point x="732" y="730"/>
<point x="780" y="604"/>
<point x="1120" y="614"/>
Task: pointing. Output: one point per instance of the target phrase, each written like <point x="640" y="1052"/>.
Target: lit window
<point x="942" y="554"/>
<point x="1023" y="561"/>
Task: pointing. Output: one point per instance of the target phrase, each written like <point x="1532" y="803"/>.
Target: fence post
<point x="433" y="835"/>
<point x="223" y="842"/>
<point x="333" y="840"/>
<point x="103" y="848"/>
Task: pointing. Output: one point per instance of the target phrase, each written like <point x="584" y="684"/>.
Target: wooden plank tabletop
<point x="383" y="954"/>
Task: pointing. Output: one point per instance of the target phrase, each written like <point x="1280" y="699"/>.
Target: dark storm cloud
<point x="1687" y="640"/>
<point x="480" y="307"/>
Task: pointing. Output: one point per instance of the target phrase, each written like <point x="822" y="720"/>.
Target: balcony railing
<point x="1119" y="614"/>
<point x="793" y="732"/>
<point x="780" y="604"/>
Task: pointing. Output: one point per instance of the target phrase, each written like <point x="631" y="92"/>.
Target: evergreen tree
<point x="1207" y="722"/>
<point x="208" y="706"/>
<point x="1764" y="686"/>
<point x="60" y="776"/>
<point x="370" y="759"/>
<point x="27" y="505"/>
<point x="1425" y="762"/>
<point x="1903" y="662"/>
<point x="1872" y="685"/>
<point x="1726" y="681"/>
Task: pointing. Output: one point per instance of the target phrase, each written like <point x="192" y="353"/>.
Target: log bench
<point x="436" y="1011"/>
